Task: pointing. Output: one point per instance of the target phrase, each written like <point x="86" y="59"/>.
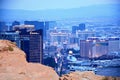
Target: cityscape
<point x="67" y="44"/>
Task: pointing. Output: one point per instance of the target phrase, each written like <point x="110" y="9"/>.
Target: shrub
<point x="10" y="48"/>
<point x="105" y="78"/>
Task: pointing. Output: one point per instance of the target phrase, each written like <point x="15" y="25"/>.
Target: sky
<point x="51" y="4"/>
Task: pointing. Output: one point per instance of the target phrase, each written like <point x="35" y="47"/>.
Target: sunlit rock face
<point x="86" y="75"/>
<point x="13" y="65"/>
<point x="81" y="76"/>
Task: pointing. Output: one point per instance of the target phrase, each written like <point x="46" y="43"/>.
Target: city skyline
<point x="67" y="35"/>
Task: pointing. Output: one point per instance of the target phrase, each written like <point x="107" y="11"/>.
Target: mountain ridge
<point x="111" y="10"/>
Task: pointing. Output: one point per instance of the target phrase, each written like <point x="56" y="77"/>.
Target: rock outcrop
<point x="86" y="75"/>
<point x="13" y="65"/>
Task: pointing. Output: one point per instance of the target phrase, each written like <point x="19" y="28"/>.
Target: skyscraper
<point x="32" y="44"/>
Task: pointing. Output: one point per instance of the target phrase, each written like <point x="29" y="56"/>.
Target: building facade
<point x="93" y="47"/>
<point x="114" y="44"/>
<point x="32" y="44"/>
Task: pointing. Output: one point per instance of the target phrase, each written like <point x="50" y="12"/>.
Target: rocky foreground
<point x="13" y="66"/>
<point x="87" y="75"/>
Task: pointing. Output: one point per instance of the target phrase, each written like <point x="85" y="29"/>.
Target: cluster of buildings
<point x="96" y="47"/>
<point x="38" y="38"/>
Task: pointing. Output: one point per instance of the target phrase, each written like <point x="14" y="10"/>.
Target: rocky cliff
<point x="13" y="65"/>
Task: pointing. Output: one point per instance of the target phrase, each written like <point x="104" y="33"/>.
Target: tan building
<point x="114" y="44"/>
<point x="93" y="48"/>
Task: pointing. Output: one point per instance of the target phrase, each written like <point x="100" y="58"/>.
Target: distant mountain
<point x="111" y="10"/>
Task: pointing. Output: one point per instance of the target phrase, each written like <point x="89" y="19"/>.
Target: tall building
<point x="74" y="29"/>
<point x="93" y="47"/>
<point x="32" y="44"/>
<point x="86" y="48"/>
<point x="3" y="26"/>
<point x="81" y="27"/>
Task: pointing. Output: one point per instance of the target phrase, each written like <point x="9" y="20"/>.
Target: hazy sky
<point x="50" y="4"/>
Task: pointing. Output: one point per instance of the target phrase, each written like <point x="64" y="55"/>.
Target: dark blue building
<point x="32" y="44"/>
<point x="81" y="27"/>
<point x="3" y="26"/>
<point x="13" y="24"/>
<point x="74" y="28"/>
